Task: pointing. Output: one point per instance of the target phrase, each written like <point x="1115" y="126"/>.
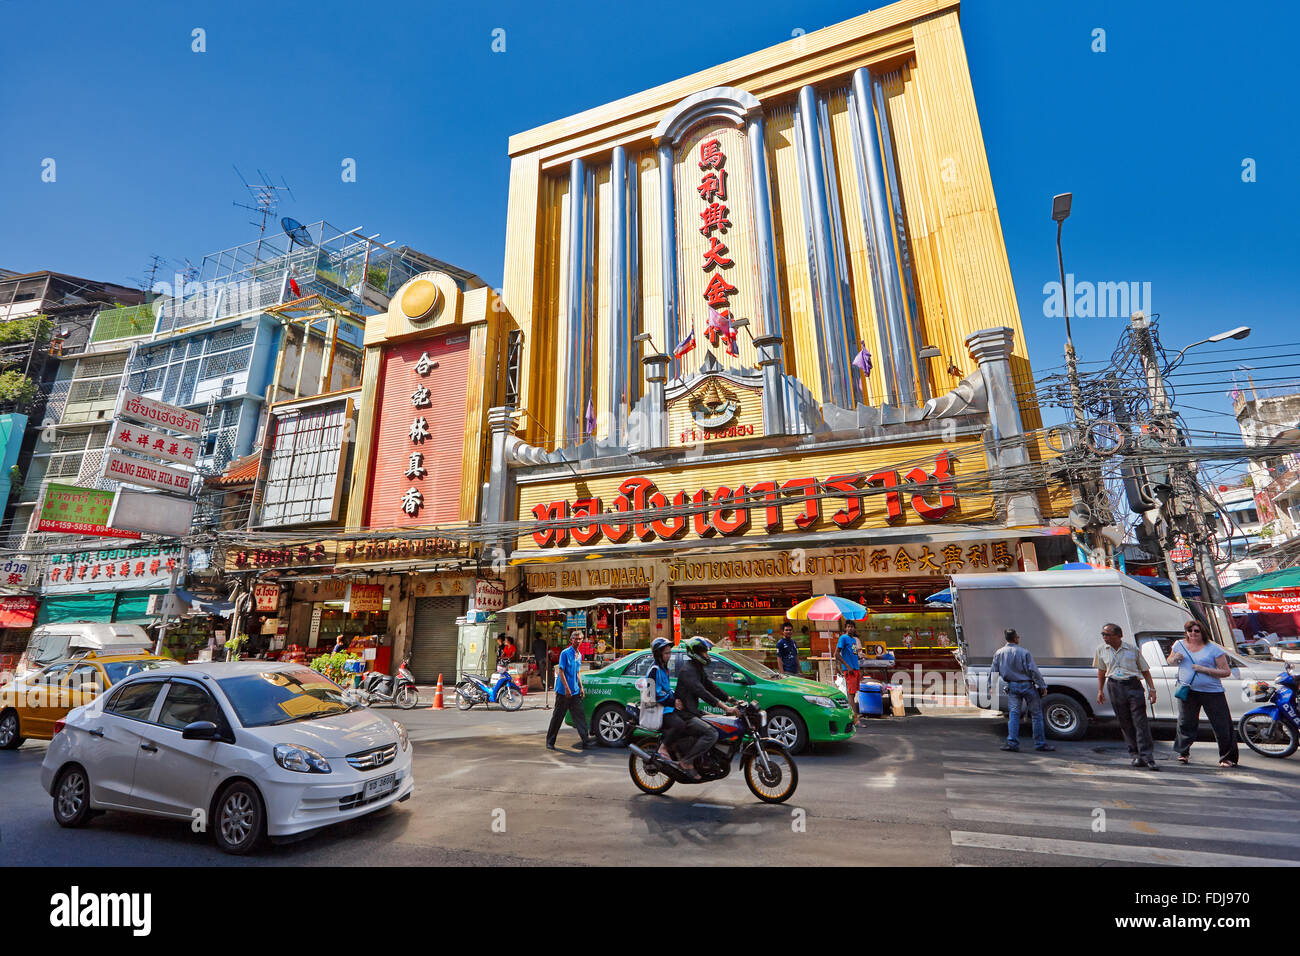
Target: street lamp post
<point x="1061" y="212"/>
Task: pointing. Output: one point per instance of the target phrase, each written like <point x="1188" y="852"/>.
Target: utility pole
<point x="1184" y="509"/>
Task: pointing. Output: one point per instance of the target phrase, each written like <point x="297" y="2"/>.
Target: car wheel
<point x="9" y="738"/>
<point x="240" y="819"/>
<point x="613" y="729"/>
<point x="789" y="728"/>
<point x="1064" y="717"/>
<point x="72" y="797"/>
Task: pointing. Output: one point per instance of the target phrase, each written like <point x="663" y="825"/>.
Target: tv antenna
<point x="265" y="195"/>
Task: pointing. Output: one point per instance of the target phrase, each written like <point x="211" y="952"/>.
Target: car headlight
<point x="402" y="737"/>
<point x="820" y="701"/>
<point x="300" y="759"/>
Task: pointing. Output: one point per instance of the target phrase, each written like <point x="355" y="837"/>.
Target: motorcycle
<point x="770" y="770"/>
<point x="502" y="690"/>
<point x="1274" y="729"/>
<point x="377" y="688"/>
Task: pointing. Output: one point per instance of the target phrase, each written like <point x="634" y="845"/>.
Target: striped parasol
<point x="827" y="607"/>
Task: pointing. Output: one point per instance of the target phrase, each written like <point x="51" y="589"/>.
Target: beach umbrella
<point x="1077" y="566"/>
<point x="827" y="607"/>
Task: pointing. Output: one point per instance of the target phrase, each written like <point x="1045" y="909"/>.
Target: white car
<point x="249" y="748"/>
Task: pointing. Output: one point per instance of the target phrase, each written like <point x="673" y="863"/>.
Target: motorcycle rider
<point x="693" y="684"/>
<point x="673" y="725"/>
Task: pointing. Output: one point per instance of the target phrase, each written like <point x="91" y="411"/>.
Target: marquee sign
<point x="115" y="569"/>
<point x="729" y="511"/>
<point x="137" y="471"/>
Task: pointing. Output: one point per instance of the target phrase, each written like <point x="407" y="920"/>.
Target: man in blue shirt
<point x="568" y="694"/>
<point x="846" y="653"/>
<point x="787" y="650"/>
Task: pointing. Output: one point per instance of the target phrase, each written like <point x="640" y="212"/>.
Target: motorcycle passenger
<point x="693" y="684"/>
<point x="673" y="725"/>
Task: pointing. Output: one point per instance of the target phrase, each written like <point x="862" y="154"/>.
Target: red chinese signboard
<point x="419" y="439"/>
<point x="714" y="260"/>
<point x="729" y="511"/>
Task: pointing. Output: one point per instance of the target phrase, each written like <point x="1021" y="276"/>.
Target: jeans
<point x="705" y="734"/>
<point x="671" y="729"/>
<point x="1216" y="710"/>
<point x="1019" y="691"/>
<point x="1129" y="702"/>
<point x="571" y="704"/>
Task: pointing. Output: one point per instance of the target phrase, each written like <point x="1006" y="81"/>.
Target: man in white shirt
<point x="1118" y="666"/>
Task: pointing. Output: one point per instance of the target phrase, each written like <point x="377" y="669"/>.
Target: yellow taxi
<point x="30" y="705"/>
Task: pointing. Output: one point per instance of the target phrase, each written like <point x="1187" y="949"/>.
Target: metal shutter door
<point x="433" y="644"/>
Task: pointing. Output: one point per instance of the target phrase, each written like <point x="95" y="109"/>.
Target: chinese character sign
<point x="717" y="270"/>
<point x="68" y="509"/>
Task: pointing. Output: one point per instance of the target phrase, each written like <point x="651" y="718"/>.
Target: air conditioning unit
<point x="166" y="605"/>
<point x="227" y="386"/>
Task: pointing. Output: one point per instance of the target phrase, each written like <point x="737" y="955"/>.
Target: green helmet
<point x="697" y="649"/>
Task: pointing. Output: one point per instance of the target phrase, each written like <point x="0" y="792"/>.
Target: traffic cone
<point x="437" y="696"/>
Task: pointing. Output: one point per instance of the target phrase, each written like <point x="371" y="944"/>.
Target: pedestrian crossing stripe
<point x="1151" y="805"/>
<point x="1116" y="824"/>
<point x="1120" y="853"/>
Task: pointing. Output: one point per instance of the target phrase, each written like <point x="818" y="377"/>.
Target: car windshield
<point x="755" y="667"/>
<point x="280" y="696"/>
<point x="116" y="670"/>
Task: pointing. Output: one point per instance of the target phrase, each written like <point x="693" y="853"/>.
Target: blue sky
<point x="1150" y="135"/>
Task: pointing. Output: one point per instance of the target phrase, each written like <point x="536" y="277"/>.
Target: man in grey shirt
<point x="1024" y="682"/>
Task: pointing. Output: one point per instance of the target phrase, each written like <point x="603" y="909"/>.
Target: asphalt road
<point x="908" y="791"/>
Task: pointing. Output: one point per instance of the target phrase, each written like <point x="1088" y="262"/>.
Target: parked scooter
<point x="379" y="688"/>
<point x="1274" y="729"/>
<point x="502" y="690"/>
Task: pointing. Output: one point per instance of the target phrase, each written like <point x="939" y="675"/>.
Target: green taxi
<point x="799" y="710"/>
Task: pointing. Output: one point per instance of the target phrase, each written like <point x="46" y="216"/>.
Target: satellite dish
<point x="296" y="231"/>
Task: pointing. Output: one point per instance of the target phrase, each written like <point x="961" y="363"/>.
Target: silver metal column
<point x="991" y="348"/>
<point x="656" y="426"/>
<point x="903" y="386"/>
<point x="614" y="400"/>
<point x="764" y="234"/>
<point x="900" y="228"/>
<point x="668" y="244"/>
<point x="769" y="360"/>
<point x="633" y="378"/>
<point x="838" y="386"/>
<point x="571" y="342"/>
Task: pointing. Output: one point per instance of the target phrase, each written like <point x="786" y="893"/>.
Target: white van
<point x="1059" y="616"/>
<point x="51" y="642"/>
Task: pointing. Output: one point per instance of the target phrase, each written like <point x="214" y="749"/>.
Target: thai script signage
<point x="266" y="597"/>
<point x="1275" y="601"/>
<point x="401" y="549"/>
<point x="137" y="408"/>
<point x="69" y="509"/>
<point x="114" y="569"/>
<point x="641" y="512"/>
<point x="776" y="567"/>
<point x="303" y="555"/>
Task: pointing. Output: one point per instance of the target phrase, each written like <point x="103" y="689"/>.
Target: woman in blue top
<point x="1201" y="665"/>
<point x="673" y="725"/>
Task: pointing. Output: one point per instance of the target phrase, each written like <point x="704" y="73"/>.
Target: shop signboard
<point x="266" y="597"/>
<point x="795" y="566"/>
<point x="574" y="619"/>
<point x="1275" y="601"/>
<point x="69" y="509"/>
<point x="752" y="503"/>
<point x="147" y="441"/>
<point x="314" y="555"/>
<point x="396" y="550"/>
<point x="364" y="598"/>
<point x="111" y="569"/>
<point x="19" y="572"/>
<point x="152" y="513"/>
<point x="138" y="471"/>
<point x="145" y="411"/>
<point x="314" y="636"/>
<point x="489" y="596"/>
<point x="18" y="611"/>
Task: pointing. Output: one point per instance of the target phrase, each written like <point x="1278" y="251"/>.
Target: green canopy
<point x="1289" y="578"/>
<point x="97" y="608"/>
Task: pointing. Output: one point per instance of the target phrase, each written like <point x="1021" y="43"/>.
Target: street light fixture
<point x="1240" y="332"/>
<point x="1061" y="212"/>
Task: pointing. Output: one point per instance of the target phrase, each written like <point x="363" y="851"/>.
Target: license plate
<point x="380" y="785"/>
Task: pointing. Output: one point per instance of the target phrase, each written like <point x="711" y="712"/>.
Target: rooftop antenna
<point x="266" y="198"/>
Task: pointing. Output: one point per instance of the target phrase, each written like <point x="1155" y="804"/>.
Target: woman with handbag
<point x="1201" y="667"/>
<point x="671" y="725"/>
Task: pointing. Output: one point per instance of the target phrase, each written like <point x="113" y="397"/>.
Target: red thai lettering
<point x="700" y="518"/>
<point x="893" y="500"/>
<point x="670" y="526"/>
<point x="771" y="507"/>
<point x="586" y="533"/>
<point x="637" y="491"/>
<point x="812" y="512"/>
<point x="942" y="478"/>
<point x="618" y="532"/>
<point x="848" y="486"/>
<point x="738" y="522"/>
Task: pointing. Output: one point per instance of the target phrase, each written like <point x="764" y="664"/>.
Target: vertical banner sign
<point x="137" y="408"/>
